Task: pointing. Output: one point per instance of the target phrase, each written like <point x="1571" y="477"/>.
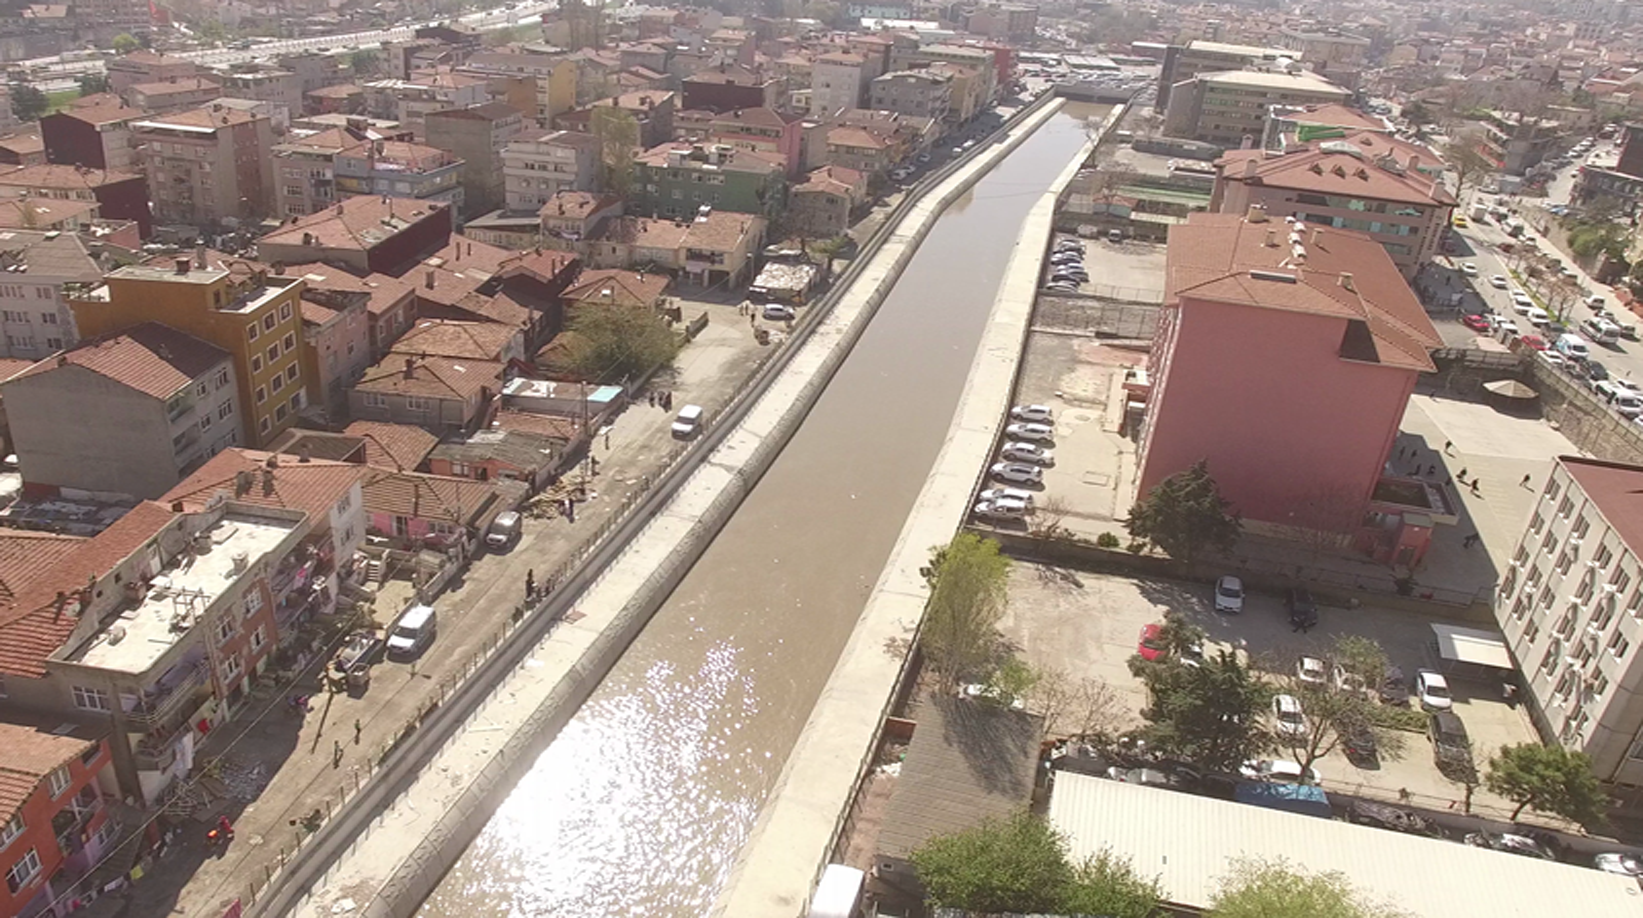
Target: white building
<point x="1571" y="606"/>
<point x="536" y="169"/>
<point x="34" y="267"/>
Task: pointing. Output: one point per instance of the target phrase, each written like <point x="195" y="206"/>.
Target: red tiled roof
<point x="1342" y="274"/>
<point x="151" y="358"/>
<point x="357" y="223"/>
<point x="456" y="340"/>
<point x="1617" y="490"/>
<point x="616" y="286"/>
<point x="1350" y="165"/>
<point x="393" y="446"/>
<point x="31" y="754"/>
<point x="416" y="495"/>
<point x="313" y="487"/>
<point x="431" y="377"/>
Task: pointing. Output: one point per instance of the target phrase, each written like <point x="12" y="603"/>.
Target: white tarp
<point x="1469" y="645"/>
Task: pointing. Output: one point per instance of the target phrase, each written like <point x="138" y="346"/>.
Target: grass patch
<point x="59" y="100"/>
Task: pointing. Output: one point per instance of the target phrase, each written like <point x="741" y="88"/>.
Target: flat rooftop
<point x="182" y="593"/>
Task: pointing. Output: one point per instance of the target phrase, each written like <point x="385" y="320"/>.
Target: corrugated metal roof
<point x="1188" y="841"/>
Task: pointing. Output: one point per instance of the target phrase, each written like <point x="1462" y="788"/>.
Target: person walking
<point x="1475" y="486"/>
<point x="1448" y="447"/>
<point x="1525" y="482"/>
<point x="1460" y="476"/>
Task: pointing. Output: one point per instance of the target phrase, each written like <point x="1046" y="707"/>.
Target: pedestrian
<point x="1525" y="482"/>
<point x="336" y="754"/>
<point x="1460" y="476"/>
<point x="357" y="728"/>
<point x="1448" y="445"/>
<point x="1475" y="486"/>
<point x="752" y="321"/>
<point x="530" y="581"/>
<point x="607" y="439"/>
<point x="1431" y="470"/>
<point x="1449" y="482"/>
<point x="1401" y="451"/>
<point x="570" y="509"/>
<point x="652" y="397"/>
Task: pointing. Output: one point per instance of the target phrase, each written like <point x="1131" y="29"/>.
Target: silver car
<point x="1027" y="430"/>
<point x="1027" y="452"/>
<point x="1017" y="472"/>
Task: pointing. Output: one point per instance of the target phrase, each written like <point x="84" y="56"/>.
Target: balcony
<point x="159" y="706"/>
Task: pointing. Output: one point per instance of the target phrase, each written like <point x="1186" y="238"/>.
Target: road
<point x="525" y="14"/>
<point x="639" y="806"/>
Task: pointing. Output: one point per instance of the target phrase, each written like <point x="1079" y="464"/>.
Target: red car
<point x="1534" y="341"/>
<point x="1152" y="642"/>
<point x="1476" y="323"/>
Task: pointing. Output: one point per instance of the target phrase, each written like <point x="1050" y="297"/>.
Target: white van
<point x="413" y="632"/>
<point x="1573" y="346"/>
<point x="503" y="530"/>
<point x="688" y="422"/>
<point x="839" y="893"/>
<point x="1600" y="330"/>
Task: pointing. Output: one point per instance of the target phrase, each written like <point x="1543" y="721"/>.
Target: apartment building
<point x="1228" y="107"/>
<point x="238" y="308"/>
<point x="774" y="134"/>
<point x="209" y="166"/>
<point x="820" y="207"/>
<point x="680" y="180"/>
<point x="39" y="269"/>
<point x="477" y="136"/>
<point x="838" y="83"/>
<point x="536" y="169"/>
<point x="1366" y="181"/>
<point x="410" y="101"/>
<point x="1570" y="604"/>
<point x="924" y="93"/>
<point x="174" y="95"/>
<point x="652" y="109"/>
<point x="400" y="168"/>
<point x="130" y="414"/>
<point x="1183" y="62"/>
<point x="305" y="171"/>
<point x="56" y="822"/>
<point x="273" y="85"/>
<point x="1515" y="143"/>
<point x="119" y="195"/>
<point x="364" y="234"/>
<point x="97" y="136"/>
<point x="146" y="67"/>
<point x="1337" y="56"/>
<point x="728" y="87"/>
<point x="552" y="79"/>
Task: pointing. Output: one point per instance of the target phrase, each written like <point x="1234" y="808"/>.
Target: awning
<point x="1469" y="645"/>
<point x="1511" y="388"/>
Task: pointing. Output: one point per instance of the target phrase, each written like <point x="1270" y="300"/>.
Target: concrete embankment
<point x="390" y="866"/>
<point x="795" y="835"/>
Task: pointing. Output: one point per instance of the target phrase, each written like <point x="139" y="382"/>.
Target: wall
<point x="37" y="811"/>
<point x="78" y="429"/>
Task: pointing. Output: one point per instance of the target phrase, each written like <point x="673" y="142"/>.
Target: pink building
<point x="1285" y="357"/>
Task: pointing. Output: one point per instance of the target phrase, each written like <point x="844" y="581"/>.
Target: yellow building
<point x="242" y="310"/>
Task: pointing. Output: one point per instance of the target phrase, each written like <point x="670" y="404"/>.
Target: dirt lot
<point x="1086" y="626"/>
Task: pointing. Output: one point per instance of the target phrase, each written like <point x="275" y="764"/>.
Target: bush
<point x="1106" y="540"/>
<point x="1136" y="546"/>
<point x="1393" y="717"/>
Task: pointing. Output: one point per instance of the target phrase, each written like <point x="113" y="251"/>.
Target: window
<point x="222" y="378"/>
<point x="90" y="699"/>
<point x="1565" y="625"/>
<point x="204" y="389"/>
<point x="1603" y="557"/>
<point x="251" y="332"/>
<point x="24" y="872"/>
<point x="1520" y="556"/>
<point x="372" y="400"/>
<point x="273" y="352"/>
<point x="290" y="341"/>
<point x="232" y="667"/>
<point x="44" y="293"/>
<point x="1618" y="645"/>
<point x="280" y="411"/>
<point x="1549" y="544"/>
<point x="1588" y="582"/>
<point x="225" y="629"/>
<point x="11" y="830"/>
<point x="224" y="410"/>
<point x="291" y="373"/>
<point x="413" y="403"/>
<point x="259" y="637"/>
<point x="1531" y="632"/>
<point x="1510" y="583"/>
<point x="277" y="384"/>
<point x="205" y="421"/>
<point x="58" y="781"/>
<point x="1565" y="562"/>
<point x="1552" y="489"/>
<point x="1566" y="508"/>
<point x="1536" y="522"/>
<point x="256" y="363"/>
<point x="1581" y="527"/>
<point x="268" y="322"/>
<point x="262" y="394"/>
<point x="265" y="426"/>
<point x="55" y="344"/>
<point x="14" y="316"/>
<point x="48" y="318"/>
<point x="298" y="399"/>
<point x="253" y="602"/>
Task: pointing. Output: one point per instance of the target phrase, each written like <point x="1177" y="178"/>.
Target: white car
<point x="1433" y="691"/>
<point x="1310" y="670"/>
<point x="776" y="312"/>
<point x="1498" y="281"/>
<point x="1019" y="451"/>
<point x="1287" y="717"/>
<point x="1002" y="494"/>
<point x="1018" y="472"/>
<point x="1507" y="327"/>
<point x="1469" y="269"/>
<point x="1538" y="317"/>
<point x="1521" y="301"/>
<point x="1002" y="509"/>
<point x="1029" y="431"/>
<point x="1229" y="595"/>
<point x="1279" y="771"/>
<point x="1039" y="414"/>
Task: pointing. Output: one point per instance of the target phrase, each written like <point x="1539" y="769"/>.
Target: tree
<point x="365" y="62"/>
<point x="28" y="103"/>
<point x="125" y="43"/>
<point x="1274" y="889"/>
<point x="618" y="133"/>
<point x="1547" y="779"/>
<point x="1088" y="708"/>
<point x="1468" y="164"/>
<point x="1417" y="113"/>
<point x="93" y="83"/>
<point x="620" y="342"/>
<point x="1021" y="865"/>
<point x="1209" y="714"/>
<point x="1184" y="514"/>
<point x="968" y="580"/>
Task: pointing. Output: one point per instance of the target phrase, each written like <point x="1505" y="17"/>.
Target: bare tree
<point x="1326" y="517"/>
<point x="1082" y="707"/>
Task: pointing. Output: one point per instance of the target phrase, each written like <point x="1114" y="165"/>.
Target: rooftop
<point x="392" y="446"/>
<point x="456" y="339"/>
<point x="1427" y="877"/>
<point x="150" y="358"/>
<point x="197" y="120"/>
<point x="614" y="285"/>
<point x="1617" y="490"/>
<point x="63" y="177"/>
<point x="1304" y="81"/>
<point x="50" y="254"/>
<point x="31" y="754"/>
<point x="1288" y="266"/>
<point x="179" y="596"/>
<point x="251" y="295"/>
<point x="359" y="223"/>
<point x="431" y="377"/>
<point x="312" y="487"/>
<point x="1363" y="164"/>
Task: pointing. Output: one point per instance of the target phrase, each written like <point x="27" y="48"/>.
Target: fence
<point x="1088" y="316"/>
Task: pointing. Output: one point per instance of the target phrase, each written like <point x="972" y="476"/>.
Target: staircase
<point x="375" y="571"/>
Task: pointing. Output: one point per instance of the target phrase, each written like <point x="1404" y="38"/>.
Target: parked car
<point x="1476" y="322"/>
<point x="1511" y="844"/>
<point x="1469" y="269"/>
<point x="1595" y="371"/>
<point x="1151" y="645"/>
<point x="1497" y="281"/>
<point x="1358" y="743"/>
<point x="1451" y="747"/>
<point x="1394" y="689"/>
<point x="1229" y="595"/>
<point x="1027" y="452"/>
<point x="1288" y="718"/>
<point x="1038" y="414"/>
<point x="1303" y="611"/>
<point x="1386" y="816"/>
<point x="1534" y="342"/>
<point x="1538" y="316"/>
<point x="1066" y="286"/>
<point x="1310" y="670"/>
<point x="1618" y="862"/>
<point x="1067" y="258"/>
<point x="1001" y="509"/>
<point x="776" y="312"/>
<point x="1027" y="430"/>
<point x="993" y="494"/>
<point x="1433" y="691"/>
<point x="1017" y="472"/>
<point x="1279" y="771"/>
<point x="1150" y="777"/>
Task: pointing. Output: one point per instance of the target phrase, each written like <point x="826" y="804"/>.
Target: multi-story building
<point x="401" y="169"/>
<point x="551" y="79"/>
<point x="1017" y="22"/>
<point x="174" y="95"/>
<point x="441" y="394"/>
<point x="477" y="135"/>
<point x="679" y="180"/>
<point x="55" y="818"/>
<point x="95" y="136"/>
<point x="761" y="130"/>
<point x="364" y="234"/>
<point x="728" y="87"/>
<point x="1229" y="108"/>
<point x="536" y="169"/>
<point x="208" y="166"/>
<point x="652" y="109"/>
<point x="1515" y="143"/>
<point x="130" y="414"/>
<point x="1335" y="55"/>
<point x="305" y="171"/>
<point x="821" y="206"/>
<point x="146" y="67"/>
<point x="1366" y="181"/>
<point x="274" y="85"/>
<point x="924" y="93"/>
<point x="242" y="310"/>
<point x="119" y="195"/>
<point x="713" y="249"/>
<point x="35" y="320"/>
<point x="983" y="62"/>
<point x="410" y="101"/>
<point x="336" y="332"/>
<point x="1284" y="358"/>
<point x="1570" y="605"/>
<point x="1183" y="62"/>
<point x="838" y="83"/>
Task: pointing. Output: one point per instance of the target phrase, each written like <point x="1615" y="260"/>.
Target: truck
<point x="1480" y="212"/>
<point x="1514" y="228"/>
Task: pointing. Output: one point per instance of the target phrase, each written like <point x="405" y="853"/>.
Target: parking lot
<point x="1086" y="626"/>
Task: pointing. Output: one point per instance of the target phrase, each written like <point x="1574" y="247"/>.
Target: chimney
<point x="62" y="360"/>
<point x="1250" y="165"/>
<point x="410" y="368"/>
<point x="1256" y="214"/>
<point x="267" y="482"/>
<point x="199" y="255"/>
<point x="1414" y="162"/>
<point x="306" y="454"/>
<point x="428" y="279"/>
<point x="182" y="265"/>
<point x="1316" y="234"/>
<point x="1346" y="281"/>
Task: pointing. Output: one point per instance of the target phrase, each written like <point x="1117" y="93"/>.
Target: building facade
<point x="477" y="136"/>
<point x="305" y="171"/>
<point x="678" y="180"/>
<point x="1226" y="108"/>
<point x="401" y="169"/>
<point x="209" y="166"/>
<point x="35" y="319"/>
<point x="924" y="93"/>
<point x="95" y="136"/>
<point x="57" y="822"/>
<point x="536" y="169"/>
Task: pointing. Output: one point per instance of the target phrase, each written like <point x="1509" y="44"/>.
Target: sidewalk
<point x="288" y="765"/>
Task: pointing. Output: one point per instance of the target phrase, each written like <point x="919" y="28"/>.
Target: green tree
<point x="1547" y="779"/>
<point x="93" y="83"/>
<point x="1417" y="113"/>
<point x="365" y="62"/>
<point x="1021" y="865"/>
<point x="1210" y="714"/>
<point x="620" y="342"/>
<point x="125" y="43"/>
<point x="969" y="579"/>
<point x="28" y="103"/>
<point x="618" y="133"/>
<point x="1274" y="889"/>
<point x="1185" y="514"/>
<point x="1012" y="680"/>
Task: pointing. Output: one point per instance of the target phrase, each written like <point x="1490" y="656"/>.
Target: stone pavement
<point x="289" y="765"/>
